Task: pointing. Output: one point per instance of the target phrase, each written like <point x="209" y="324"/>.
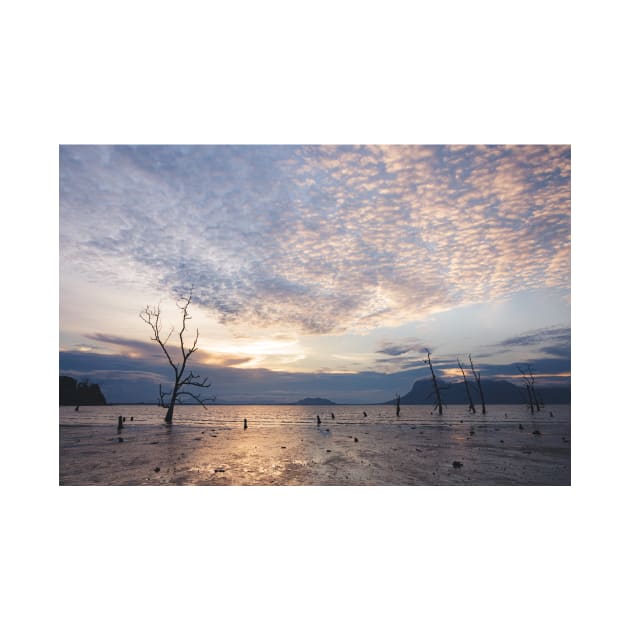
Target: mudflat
<point x="373" y="454"/>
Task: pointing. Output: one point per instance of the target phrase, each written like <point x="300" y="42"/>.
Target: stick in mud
<point x="471" y="404"/>
<point x="436" y="388"/>
<point x="477" y="376"/>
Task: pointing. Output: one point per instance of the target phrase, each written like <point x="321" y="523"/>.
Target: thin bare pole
<point x="477" y="376"/>
<point x="438" y="397"/>
<point x="471" y="404"/>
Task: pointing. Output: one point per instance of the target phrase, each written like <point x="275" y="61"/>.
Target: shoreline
<point x="340" y="454"/>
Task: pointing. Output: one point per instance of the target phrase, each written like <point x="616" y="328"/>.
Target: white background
<point x="325" y="72"/>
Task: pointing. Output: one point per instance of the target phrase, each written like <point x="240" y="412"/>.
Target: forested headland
<point x="73" y="392"/>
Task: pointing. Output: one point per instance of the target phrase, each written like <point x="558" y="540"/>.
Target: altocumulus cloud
<point x="319" y="238"/>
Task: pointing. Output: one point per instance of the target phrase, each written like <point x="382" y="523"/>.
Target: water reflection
<point x="257" y="415"/>
<point x="339" y="452"/>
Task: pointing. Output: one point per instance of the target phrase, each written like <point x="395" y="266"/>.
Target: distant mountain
<point x="314" y="401"/>
<point x="495" y="393"/>
<point x="72" y="392"/>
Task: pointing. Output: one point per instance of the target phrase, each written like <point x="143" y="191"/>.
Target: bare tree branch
<point x="201" y="401"/>
<point x="151" y="315"/>
<point x="191" y="380"/>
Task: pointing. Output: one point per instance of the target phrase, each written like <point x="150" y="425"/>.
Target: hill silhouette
<point x="314" y="401"/>
<point x="72" y="392"/>
<point x="495" y="392"/>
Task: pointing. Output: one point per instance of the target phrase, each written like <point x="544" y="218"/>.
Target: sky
<point x="315" y="270"/>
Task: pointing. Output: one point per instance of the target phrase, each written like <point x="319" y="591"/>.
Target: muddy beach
<point x="468" y="451"/>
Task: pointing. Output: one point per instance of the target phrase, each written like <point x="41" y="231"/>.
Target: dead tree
<point x="477" y="376"/>
<point x="530" y="398"/>
<point x="537" y="401"/>
<point x="531" y="391"/>
<point x="168" y="399"/>
<point x="471" y="404"/>
<point x="436" y="388"/>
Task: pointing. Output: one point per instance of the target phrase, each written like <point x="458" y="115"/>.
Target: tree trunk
<point x="435" y="385"/>
<point x="483" y="400"/>
<point x="171" y="407"/>
<point x="477" y="376"/>
<point x="535" y="397"/>
<point x="529" y="397"/>
<point x="471" y="404"/>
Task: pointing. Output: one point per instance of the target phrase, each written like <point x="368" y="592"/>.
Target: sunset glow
<point x="311" y="260"/>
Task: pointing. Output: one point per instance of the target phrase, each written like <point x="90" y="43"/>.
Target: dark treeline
<point x="72" y="392"/>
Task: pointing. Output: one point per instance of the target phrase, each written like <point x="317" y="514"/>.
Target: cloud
<point x="127" y="346"/>
<point x="132" y="379"/>
<point x="404" y="355"/>
<point x="547" y="348"/>
<point x="150" y="351"/>
<point x="117" y="377"/>
<point x="404" y="346"/>
<point x="319" y="239"/>
<point x="559" y="337"/>
<point x="559" y="350"/>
